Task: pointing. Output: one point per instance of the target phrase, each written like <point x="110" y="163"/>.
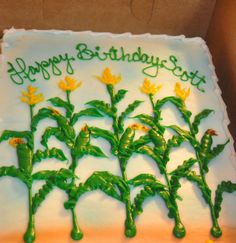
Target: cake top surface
<point x="85" y="68"/>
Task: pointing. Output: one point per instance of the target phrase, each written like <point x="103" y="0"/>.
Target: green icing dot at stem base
<point x="179" y="230"/>
<point x="76" y="235"/>
<point x="216" y="231"/>
<point x="130" y="230"/>
<point x="29" y="235"/>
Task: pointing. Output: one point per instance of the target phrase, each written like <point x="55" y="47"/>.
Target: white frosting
<point x="95" y="209"/>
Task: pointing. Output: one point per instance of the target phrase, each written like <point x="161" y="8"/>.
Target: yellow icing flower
<point x="149" y="88"/>
<point x="139" y="127"/>
<point x="209" y="241"/>
<point x="15" y="141"/>
<point x="108" y="77"/>
<point x="54" y="111"/>
<point x="69" y="84"/>
<point x="181" y="93"/>
<point x="30" y="97"/>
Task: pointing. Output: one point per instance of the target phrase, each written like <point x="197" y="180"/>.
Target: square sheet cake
<point x="113" y="138"/>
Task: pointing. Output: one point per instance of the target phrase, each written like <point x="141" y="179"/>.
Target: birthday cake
<point x="113" y="138"/>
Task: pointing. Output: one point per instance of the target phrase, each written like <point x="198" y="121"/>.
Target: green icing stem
<point x="29" y="235"/>
<point x="76" y="233"/>
<point x="179" y="229"/>
<point x="207" y="141"/>
<point x="68" y="96"/>
<point x="215" y="229"/>
<point x="130" y="228"/>
<point x="25" y="158"/>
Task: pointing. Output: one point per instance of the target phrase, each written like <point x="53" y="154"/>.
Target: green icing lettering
<point x="19" y="71"/>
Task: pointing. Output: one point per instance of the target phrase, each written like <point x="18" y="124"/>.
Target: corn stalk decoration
<point x="79" y="145"/>
<point x="160" y="152"/>
<point x="123" y="145"/>
<point x="23" y="142"/>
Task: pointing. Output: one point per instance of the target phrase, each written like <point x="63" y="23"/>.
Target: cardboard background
<point x="221" y="39"/>
<point x="173" y="17"/>
<point x="189" y="17"/>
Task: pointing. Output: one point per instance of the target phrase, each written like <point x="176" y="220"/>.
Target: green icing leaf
<point x="224" y="186"/>
<point x="150" y="191"/>
<point x="49" y="153"/>
<point x="143" y="140"/>
<point x="131" y="107"/>
<point x="146" y="119"/>
<point x="67" y="130"/>
<point x="206" y="154"/>
<point x="150" y="121"/>
<point x="175" y="141"/>
<point x="74" y="193"/>
<point x="149" y="151"/>
<point x="217" y="150"/>
<point x="206" y="192"/>
<point x="183" y="169"/>
<point x="53" y="179"/>
<point x="109" y="136"/>
<point x="58" y="102"/>
<point x="180" y="131"/>
<point x="44" y="113"/>
<point x="181" y="172"/>
<point x="174" y="186"/>
<point x="185" y="134"/>
<point x="51" y="131"/>
<point x="165" y="195"/>
<point x="179" y="103"/>
<point x="62" y="174"/>
<point x="40" y="196"/>
<point x="205" y="113"/>
<point x="15" y="172"/>
<point x="137" y="206"/>
<point x="7" y="134"/>
<point x="119" y="96"/>
<point x="87" y="112"/>
<point x="126" y="147"/>
<point x="151" y="187"/>
<point x="58" y="133"/>
<point x="95" y="151"/>
<point x="102" y="106"/>
<point x="114" y="186"/>
<point x="146" y="179"/>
